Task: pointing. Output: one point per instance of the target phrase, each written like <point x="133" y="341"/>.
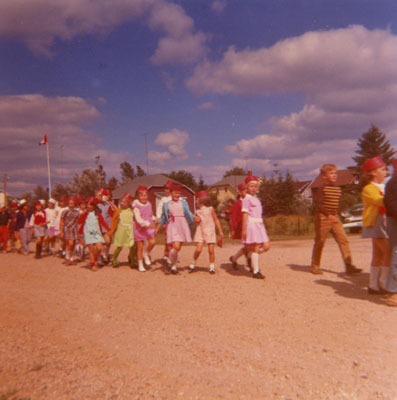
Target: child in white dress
<point x="206" y="232"/>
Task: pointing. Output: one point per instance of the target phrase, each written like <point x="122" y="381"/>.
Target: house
<point x="303" y="191"/>
<point x="155" y="184"/>
<point x="345" y="177"/>
<point x="226" y="188"/>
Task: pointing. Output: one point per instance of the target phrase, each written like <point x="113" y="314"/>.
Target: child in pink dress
<point x="178" y="217"/>
<point x="144" y="228"/>
<point x="254" y="234"/>
<point x="205" y="232"/>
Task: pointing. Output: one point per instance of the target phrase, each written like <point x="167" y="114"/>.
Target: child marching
<point x="68" y="230"/>
<point x="179" y="218"/>
<point x="159" y="213"/>
<point x="144" y="228"/>
<point x="254" y="235"/>
<point x="92" y="225"/>
<point x="206" y="232"/>
<point x="374" y="223"/>
<point x="38" y="224"/>
<point x="122" y="230"/>
<point x="52" y="232"/>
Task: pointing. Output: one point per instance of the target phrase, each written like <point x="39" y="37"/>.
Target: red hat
<point x="372" y="163"/>
<point x="176" y="187"/>
<point x="127" y="196"/>
<point x="37" y="203"/>
<point x="142" y="187"/>
<point x="169" y="183"/>
<point x="107" y="192"/>
<point x="251" y="178"/>
<point x="201" y="194"/>
<point x="14" y="205"/>
<point x="241" y="187"/>
<point x="64" y="199"/>
<point x="101" y="191"/>
<point x="92" y="200"/>
<point x="79" y="198"/>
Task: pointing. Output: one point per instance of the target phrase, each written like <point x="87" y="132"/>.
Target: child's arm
<point x="217" y="223"/>
<point x="244" y="226"/>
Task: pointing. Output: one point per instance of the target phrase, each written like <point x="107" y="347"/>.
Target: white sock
<point x="173" y="257"/>
<point x="212" y="267"/>
<point x="193" y="264"/>
<point x="140" y="266"/>
<point x="255" y="262"/>
<point x="374" y="273"/>
<point x="384" y="272"/>
<point x="238" y="254"/>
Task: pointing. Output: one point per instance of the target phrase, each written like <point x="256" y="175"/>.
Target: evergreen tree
<point x="127" y="172"/>
<point x="184" y="177"/>
<point x="39" y="193"/>
<point x="373" y="143"/>
<point x="112" y="183"/>
<point x="201" y="185"/>
<point x="140" y="171"/>
<point x="234" y="171"/>
<point x="87" y="183"/>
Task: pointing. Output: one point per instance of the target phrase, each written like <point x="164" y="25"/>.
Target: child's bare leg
<point x="211" y="253"/>
<point x="146" y="251"/>
<point x="140" y="246"/>
<point x="196" y="255"/>
<point x="176" y="247"/>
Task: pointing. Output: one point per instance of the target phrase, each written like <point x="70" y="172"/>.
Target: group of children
<point x="96" y="222"/>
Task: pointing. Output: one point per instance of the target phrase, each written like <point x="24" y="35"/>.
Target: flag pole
<point x="48" y="168"/>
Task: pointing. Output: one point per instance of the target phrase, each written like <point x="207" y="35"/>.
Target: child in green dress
<point x="122" y="230"/>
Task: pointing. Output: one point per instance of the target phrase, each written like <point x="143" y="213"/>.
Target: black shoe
<point x="258" y="275"/>
<point x="212" y="271"/>
<point x="174" y="271"/>
<point x="374" y="291"/>
<point x="234" y="263"/>
<point x="351" y="269"/>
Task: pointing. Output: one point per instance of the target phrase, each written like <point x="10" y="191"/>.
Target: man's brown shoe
<point x="316" y="270"/>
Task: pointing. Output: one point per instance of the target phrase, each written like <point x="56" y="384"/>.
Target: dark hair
<point x="206" y="201"/>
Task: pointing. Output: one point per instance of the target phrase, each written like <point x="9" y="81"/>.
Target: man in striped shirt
<point x="326" y="220"/>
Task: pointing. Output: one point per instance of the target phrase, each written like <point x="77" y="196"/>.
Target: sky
<point x="198" y="85"/>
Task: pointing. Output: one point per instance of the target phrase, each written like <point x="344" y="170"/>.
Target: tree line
<point x="277" y="191"/>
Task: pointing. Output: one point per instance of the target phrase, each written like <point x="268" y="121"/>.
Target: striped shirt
<point x="327" y="199"/>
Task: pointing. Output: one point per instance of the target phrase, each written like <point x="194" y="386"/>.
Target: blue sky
<point x="214" y="84"/>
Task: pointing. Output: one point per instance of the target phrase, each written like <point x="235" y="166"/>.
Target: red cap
<point x="241" y="187"/>
<point x="101" y="191"/>
<point x="79" y="198"/>
<point x="108" y="192"/>
<point x="127" y="196"/>
<point x="372" y="163"/>
<point x="251" y="178"/>
<point x="37" y="202"/>
<point x="92" y="200"/>
<point x="142" y="187"/>
<point x="201" y="194"/>
<point x="169" y="183"/>
<point x="64" y="199"/>
<point x="14" y="205"/>
<point x="176" y="187"/>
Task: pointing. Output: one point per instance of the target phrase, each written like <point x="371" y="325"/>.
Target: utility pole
<point x="146" y="152"/>
<point x="5" y="177"/>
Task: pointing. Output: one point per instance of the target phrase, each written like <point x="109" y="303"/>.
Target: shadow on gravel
<point x="306" y="268"/>
<point x="242" y="270"/>
<point x="352" y="291"/>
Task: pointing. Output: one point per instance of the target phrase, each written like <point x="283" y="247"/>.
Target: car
<point x="353" y="218"/>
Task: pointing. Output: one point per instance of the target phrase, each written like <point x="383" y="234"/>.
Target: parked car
<point x="353" y="218"/>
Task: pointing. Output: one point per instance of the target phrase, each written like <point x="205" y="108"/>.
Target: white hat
<point x="53" y="201"/>
<point x="42" y="202"/>
<point x="22" y="202"/>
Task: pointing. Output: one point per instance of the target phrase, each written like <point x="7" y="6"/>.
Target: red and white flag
<point x="44" y="141"/>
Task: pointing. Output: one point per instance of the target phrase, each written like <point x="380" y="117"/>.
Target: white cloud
<point x="25" y="119"/>
<point x="218" y="6"/>
<point x="175" y="142"/>
<point x="39" y="23"/>
<point x="348" y="81"/>
<point x="159" y="156"/>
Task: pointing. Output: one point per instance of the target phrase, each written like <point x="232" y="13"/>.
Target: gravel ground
<point x="69" y="333"/>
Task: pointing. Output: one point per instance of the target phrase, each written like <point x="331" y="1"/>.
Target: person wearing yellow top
<point x="374" y="225"/>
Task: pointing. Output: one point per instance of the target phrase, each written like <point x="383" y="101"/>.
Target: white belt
<point x="125" y="224"/>
<point x="252" y="219"/>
